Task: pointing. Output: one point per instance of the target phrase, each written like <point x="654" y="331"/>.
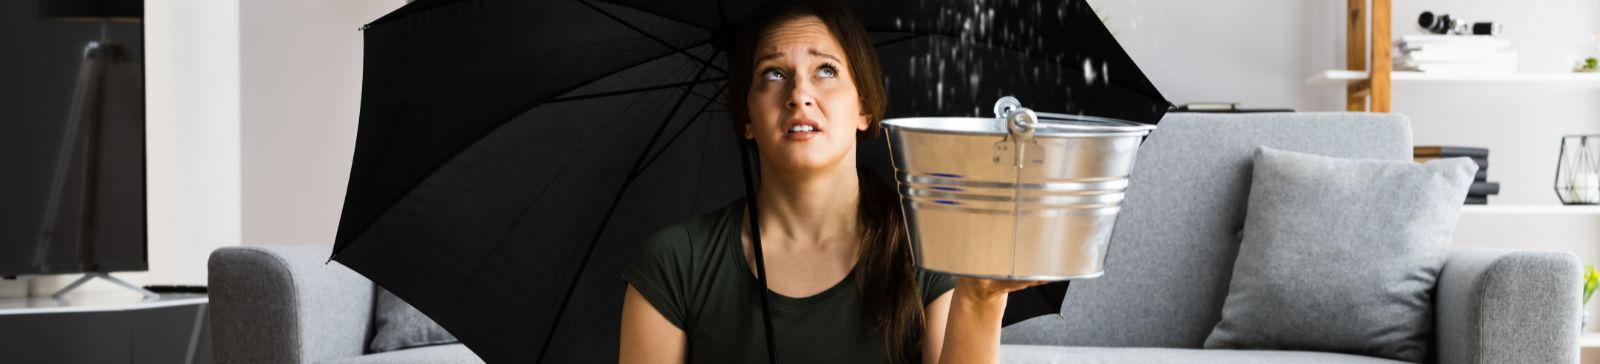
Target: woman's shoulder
<point x="670" y="265"/>
<point x="933" y="284"/>
<point x="691" y="239"/>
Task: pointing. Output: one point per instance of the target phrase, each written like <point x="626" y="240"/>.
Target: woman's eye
<point x="827" y="71"/>
<point x="772" y="75"/>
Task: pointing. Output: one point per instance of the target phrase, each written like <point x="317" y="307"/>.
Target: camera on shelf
<point x="1445" y="24"/>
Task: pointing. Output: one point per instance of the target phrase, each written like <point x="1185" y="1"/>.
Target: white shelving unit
<point x="1493" y="209"/>
<point x="1344" y="77"/>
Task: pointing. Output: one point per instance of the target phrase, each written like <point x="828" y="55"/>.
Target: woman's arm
<point x="972" y="334"/>
<point x="647" y="336"/>
<point x="937" y="314"/>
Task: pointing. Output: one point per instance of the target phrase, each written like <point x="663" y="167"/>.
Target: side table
<point x="112" y="327"/>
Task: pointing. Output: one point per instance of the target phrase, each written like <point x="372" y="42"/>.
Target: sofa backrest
<point x="286" y="304"/>
<point x="1172" y="250"/>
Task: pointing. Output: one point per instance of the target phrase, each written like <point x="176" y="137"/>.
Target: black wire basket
<point x="1578" y="170"/>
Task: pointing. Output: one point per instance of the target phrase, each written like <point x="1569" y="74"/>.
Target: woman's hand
<point x="972" y="334"/>
<point x="985" y="290"/>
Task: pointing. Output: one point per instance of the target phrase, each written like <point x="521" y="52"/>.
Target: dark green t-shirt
<point x="695" y="274"/>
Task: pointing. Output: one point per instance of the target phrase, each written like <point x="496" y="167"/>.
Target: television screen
<point x="72" y="170"/>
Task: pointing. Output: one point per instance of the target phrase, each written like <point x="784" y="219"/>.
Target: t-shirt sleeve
<point x="660" y="273"/>
<point x="933" y="284"/>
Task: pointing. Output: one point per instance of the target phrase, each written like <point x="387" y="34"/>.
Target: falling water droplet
<point x="1088" y="71"/>
<point x="1105" y="73"/>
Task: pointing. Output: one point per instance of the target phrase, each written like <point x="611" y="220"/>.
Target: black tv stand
<point x="148" y="295"/>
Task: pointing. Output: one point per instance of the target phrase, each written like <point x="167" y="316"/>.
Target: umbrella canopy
<point x="512" y="153"/>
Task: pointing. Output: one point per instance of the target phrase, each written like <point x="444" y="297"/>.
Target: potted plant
<point x="1591" y="279"/>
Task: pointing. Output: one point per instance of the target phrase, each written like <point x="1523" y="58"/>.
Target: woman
<point x="804" y="85"/>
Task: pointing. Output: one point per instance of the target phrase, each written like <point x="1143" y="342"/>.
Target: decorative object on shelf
<point x="1577" y="172"/>
<point x="1446" y="24"/>
<point x="1590" y="64"/>
<point x="1591" y="278"/>
<point x="1455" y="46"/>
<point x="1481" y="188"/>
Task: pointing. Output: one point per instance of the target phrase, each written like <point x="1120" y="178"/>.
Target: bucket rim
<point x="1048" y="127"/>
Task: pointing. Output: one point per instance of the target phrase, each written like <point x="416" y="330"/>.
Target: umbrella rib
<point x="896" y="40"/>
<point x="641" y="89"/>
<point x="712" y="97"/>
<point x="722" y="14"/>
<point x="651" y="12"/>
<point x="633" y="175"/>
<point x="675" y="136"/>
<point x="663" y="42"/>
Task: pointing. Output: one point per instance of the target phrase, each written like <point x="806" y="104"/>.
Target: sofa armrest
<point x="1498" y="306"/>
<point x="284" y="304"/>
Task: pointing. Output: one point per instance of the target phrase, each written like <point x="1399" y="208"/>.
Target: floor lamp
<point x="84" y="124"/>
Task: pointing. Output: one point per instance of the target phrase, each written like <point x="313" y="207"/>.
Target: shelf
<point x="1530" y="210"/>
<point x="1590" y="340"/>
<point x="1343" y="77"/>
<point x="94" y="303"/>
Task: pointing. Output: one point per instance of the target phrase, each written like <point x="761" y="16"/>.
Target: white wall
<point x="193" y="131"/>
<point x="1251" y="51"/>
<point x="301" y="79"/>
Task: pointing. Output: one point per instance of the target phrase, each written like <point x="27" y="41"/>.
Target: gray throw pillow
<point x="1341" y="255"/>
<point x="400" y="326"/>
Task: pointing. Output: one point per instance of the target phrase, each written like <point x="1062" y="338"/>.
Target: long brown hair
<point x="885" y="275"/>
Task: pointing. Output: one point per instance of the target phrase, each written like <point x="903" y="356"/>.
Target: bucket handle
<point x="1006" y="106"/>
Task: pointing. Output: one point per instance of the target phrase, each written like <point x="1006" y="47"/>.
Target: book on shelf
<point x="1452" y="57"/>
<point x="1483" y="163"/>
<point x="1456" y="54"/>
<point x="1453" y="47"/>
<point x="1420" y="41"/>
<point x="1464" y="69"/>
<point x="1449" y="151"/>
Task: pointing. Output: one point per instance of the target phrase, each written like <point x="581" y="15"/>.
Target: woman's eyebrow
<point x="817" y="53"/>
<point x="813" y="51"/>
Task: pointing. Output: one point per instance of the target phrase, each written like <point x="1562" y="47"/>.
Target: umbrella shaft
<point x="755" y="245"/>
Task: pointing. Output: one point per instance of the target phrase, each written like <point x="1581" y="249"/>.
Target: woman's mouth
<point x="801" y="129"/>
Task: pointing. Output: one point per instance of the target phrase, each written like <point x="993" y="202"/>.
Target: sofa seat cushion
<point x="437" y="354"/>
<point x="1049" y="354"/>
<point x="398" y="325"/>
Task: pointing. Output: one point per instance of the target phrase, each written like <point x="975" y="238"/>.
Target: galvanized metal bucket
<point x="1022" y="196"/>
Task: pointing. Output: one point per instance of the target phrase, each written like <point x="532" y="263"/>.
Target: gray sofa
<point x="282" y="304"/>
<point x="1168" y="271"/>
<point x="1171" y="257"/>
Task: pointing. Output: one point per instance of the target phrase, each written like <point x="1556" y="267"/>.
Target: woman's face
<point x="804" y="109"/>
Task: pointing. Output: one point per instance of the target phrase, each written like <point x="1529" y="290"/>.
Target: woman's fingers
<point x="995" y="286"/>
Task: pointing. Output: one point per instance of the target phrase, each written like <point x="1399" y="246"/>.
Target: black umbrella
<point x="511" y="153"/>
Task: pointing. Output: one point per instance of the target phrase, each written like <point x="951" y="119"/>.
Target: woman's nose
<point x="800" y="96"/>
